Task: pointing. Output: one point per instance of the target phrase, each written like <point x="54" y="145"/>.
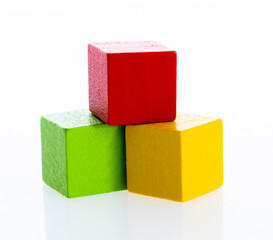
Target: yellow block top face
<point x="182" y="122"/>
<point x="178" y="160"/>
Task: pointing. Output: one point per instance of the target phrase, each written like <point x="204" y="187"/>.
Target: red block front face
<point x="141" y="86"/>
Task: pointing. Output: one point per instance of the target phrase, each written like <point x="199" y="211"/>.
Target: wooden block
<point x="178" y="160"/>
<point x="81" y="155"/>
<point x="132" y="82"/>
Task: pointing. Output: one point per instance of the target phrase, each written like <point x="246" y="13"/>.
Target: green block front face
<point x="81" y="155"/>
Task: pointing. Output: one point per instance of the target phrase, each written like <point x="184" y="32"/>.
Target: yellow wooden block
<point x="178" y="160"/>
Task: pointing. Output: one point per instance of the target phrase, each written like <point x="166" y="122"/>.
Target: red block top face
<point x="130" y="47"/>
<point x="132" y="82"/>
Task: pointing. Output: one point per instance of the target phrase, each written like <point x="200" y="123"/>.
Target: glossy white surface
<point x="225" y="63"/>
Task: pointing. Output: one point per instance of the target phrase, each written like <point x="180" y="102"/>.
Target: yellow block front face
<point x="178" y="160"/>
<point x="153" y="162"/>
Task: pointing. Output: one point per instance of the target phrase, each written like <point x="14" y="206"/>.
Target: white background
<point x="225" y="69"/>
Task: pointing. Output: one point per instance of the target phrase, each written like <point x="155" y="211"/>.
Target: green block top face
<point x="81" y="155"/>
<point x="74" y="119"/>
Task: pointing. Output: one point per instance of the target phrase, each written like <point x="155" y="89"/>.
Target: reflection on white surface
<point x="102" y="216"/>
<point x="123" y="215"/>
<point x="201" y="218"/>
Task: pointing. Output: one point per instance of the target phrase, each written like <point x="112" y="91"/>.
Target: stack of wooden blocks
<point x="131" y="136"/>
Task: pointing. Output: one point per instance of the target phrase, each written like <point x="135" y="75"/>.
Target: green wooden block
<point x="81" y="155"/>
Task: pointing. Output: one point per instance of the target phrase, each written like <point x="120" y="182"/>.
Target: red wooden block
<point x="132" y="82"/>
